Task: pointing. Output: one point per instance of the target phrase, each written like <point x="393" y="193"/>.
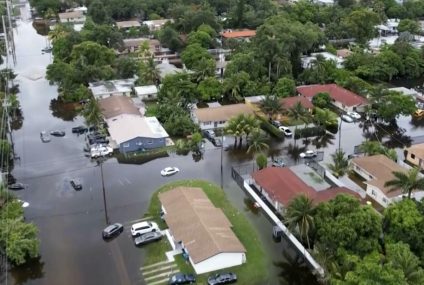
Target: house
<point x="343" y="53"/>
<point x="75" y="16"/>
<point x="341" y="98"/>
<point x="114" y="106"/>
<point x="289" y="102"/>
<point x="132" y="45"/>
<point x="165" y="68"/>
<point x="324" y="2"/>
<point x="280" y="185"/>
<point x="415" y="155"/>
<point x="238" y="34"/>
<point x="217" y="117"/>
<point x="148" y="92"/>
<point x="126" y="25"/>
<point x="156" y="25"/>
<point x="377" y="170"/>
<point x="132" y="132"/>
<point x="309" y="61"/>
<point x="103" y="89"/>
<point x="201" y="229"/>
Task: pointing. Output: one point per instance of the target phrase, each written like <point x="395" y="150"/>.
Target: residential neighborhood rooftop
<point x="221" y="113"/>
<point x="192" y="218"/>
<point x="289" y="102"/>
<point x="128" y="24"/>
<point x="71" y="15"/>
<point x="146" y="90"/>
<point x="238" y="34"/>
<point x="106" y="87"/>
<point x="417" y="150"/>
<point x="136" y="42"/>
<point x="125" y="127"/>
<point x="381" y="168"/>
<point x="165" y="68"/>
<point x="337" y="93"/>
<point x="117" y="105"/>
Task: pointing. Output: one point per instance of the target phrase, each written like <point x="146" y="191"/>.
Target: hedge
<point x="309" y="132"/>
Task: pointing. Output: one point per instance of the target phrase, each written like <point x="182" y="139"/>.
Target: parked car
<point x="57" y="133"/>
<point x="101" y="151"/>
<point x="287" y="132"/>
<point x="346" y="118"/>
<point x="353" y="155"/>
<point x="308" y="154"/>
<point x="98" y="141"/>
<point x="112" y="231"/>
<point x="79" y="130"/>
<point x="354" y="115"/>
<point x="169" y="171"/>
<point x="216" y="142"/>
<point x="208" y="134"/>
<point x="143" y="228"/>
<point x="47" y="49"/>
<point x="181" y="278"/>
<point x="222" y="278"/>
<point x="16" y="186"/>
<point x="45" y="138"/>
<point x="76" y="184"/>
<point x="275" y="123"/>
<point x="278" y="162"/>
<point x="147" y="238"/>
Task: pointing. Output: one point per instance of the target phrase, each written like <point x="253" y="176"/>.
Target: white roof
<point x="110" y="87"/>
<point x="157" y="23"/>
<point x="146" y="90"/>
<point x="405" y="91"/>
<point x="165" y="68"/>
<point x="307" y="60"/>
<point x="254" y="99"/>
<point x="126" y="127"/>
<point x="377" y="42"/>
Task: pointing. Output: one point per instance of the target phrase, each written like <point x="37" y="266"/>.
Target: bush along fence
<point x="267" y="127"/>
<point x="309" y="132"/>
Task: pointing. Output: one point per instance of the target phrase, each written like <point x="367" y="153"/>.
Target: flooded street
<point x="70" y="222"/>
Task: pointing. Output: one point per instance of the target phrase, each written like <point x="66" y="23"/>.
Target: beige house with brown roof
<point x="72" y="17"/>
<point x="217" y="116"/>
<point x="377" y="170"/>
<point x="201" y="229"/>
<point x="415" y="155"/>
<point x="128" y="24"/>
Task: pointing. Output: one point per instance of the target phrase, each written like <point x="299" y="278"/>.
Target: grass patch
<point x="151" y="108"/>
<point x="254" y="271"/>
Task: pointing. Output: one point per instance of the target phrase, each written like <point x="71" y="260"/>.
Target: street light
<point x="222" y="171"/>
<point x="100" y="161"/>
<point x="340" y="132"/>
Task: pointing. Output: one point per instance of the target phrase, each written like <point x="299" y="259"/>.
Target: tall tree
<point x="257" y="142"/>
<point x="406" y="182"/>
<point x="340" y="164"/>
<point x="92" y="113"/>
<point x="299" y="217"/>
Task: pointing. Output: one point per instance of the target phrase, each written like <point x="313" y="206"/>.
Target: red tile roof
<point x="336" y="92"/>
<point x="239" y="34"/>
<point x="283" y="185"/>
<point x="289" y="102"/>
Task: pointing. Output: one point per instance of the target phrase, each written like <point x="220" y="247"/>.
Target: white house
<point x="76" y="16"/>
<point x="377" y="170"/>
<point x="201" y="229"/>
<point x="218" y="115"/>
<point x="148" y="92"/>
<point x="308" y="61"/>
<point x="156" y="25"/>
<point x="103" y="89"/>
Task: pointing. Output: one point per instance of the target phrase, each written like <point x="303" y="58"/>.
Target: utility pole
<point x="222" y="171"/>
<point x="340" y="133"/>
<point x="12" y="38"/>
<point x="100" y="163"/>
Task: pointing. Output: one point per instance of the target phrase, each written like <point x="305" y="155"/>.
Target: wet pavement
<point x="70" y="222"/>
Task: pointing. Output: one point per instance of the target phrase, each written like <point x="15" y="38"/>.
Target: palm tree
<point x="250" y="124"/>
<point x="143" y="51"/>
<point x="299" y="217"/>
<point x="233" y="88"/>
<point x="234" y="127"/>
<point x="370" y="147"/>
<point x="58" y="32"/>
<point x="92" y="113"/>
<point x="271" y="105"/>
<point x="257" y="142"/>
<point x="340" y="163"/>
<point x="325" y="117"/>
<point x="407" y="182"/>
<point x="149" y="73"/>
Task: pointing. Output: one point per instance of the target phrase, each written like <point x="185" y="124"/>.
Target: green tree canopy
<point x="285" y="87"/>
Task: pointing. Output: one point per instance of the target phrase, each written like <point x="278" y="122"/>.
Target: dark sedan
<point x="181" y="278"/>
<point x="112" y="231"/>
<point x="57" y="133"/>
<point x="79" y="130"/>
<point x="76" y="184"/>
<point x="147" y="238"/>
<point x="222" y="278"/>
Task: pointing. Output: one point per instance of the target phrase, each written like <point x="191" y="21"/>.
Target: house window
<point x="126" y="145"/>
<point x="150" y="141"/>
<point x="370" y="176"/>
<point x="139" y="143"/>
<point x="222" y="122"/>
<point x="412" y="156"/>
<point x="384" y="200"/>
<point x="207" y="123"/>
<point x="373" y="192"/>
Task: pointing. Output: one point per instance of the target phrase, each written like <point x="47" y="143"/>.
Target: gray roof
<point x="165" y="68"/>
<point x="126" y="127"/>
<point x="146" y="90"/>
<point x="110" y="87"/>
<point x="117" y="105"/>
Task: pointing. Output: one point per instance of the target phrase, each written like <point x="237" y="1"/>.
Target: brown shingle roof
<point x="117" y="105"/>
<point x="343" y="53"/>
<point x="70" y="15"/>
<point x="289" y="102"/>
<point x="128" y="24"/>
<point x="239" y="34"/>
<point x="332" y="192"/>
<point x="221" y="113"/>
<point x="417" y="150"/>
<point x="194" y="220"/>
<point x="381" y="168"/>
<point x="337" y="93"/>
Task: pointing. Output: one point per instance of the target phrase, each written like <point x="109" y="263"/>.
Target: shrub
<point x="270" y="129"/>
<point x="309" y="132"/>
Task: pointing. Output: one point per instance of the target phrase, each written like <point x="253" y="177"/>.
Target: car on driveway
<point x="143" y="227"/>
<point x="147" y="238"/>
<point x="222" y="278"/>
<point x="287" y="132"/>
<point x="112" y="231"/>
<point x="308" y="154"/>
<point x="278" y="162"/>
<point x="16" y="186"/>
<point x="101" y="151"/>
<point x="57" y="133"/>
<point x="45" y="138"/>
<point x="167" y="171"/>
<point x="354" y="115"/>
<point x="76" y="184"/>
<point x="216" y="142"/>
<point x="346" y="118"/>
<point x="181" y="278"/>
<point x="79" y="130"/>
<point x="209" y="134"/>
<point x="275" y="123"/>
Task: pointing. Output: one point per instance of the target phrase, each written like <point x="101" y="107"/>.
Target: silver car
<point x="147" y="238"/>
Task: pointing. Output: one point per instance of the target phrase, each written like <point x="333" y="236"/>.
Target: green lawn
<point x="253" y="272"/>
<point x="151" y="109"/>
